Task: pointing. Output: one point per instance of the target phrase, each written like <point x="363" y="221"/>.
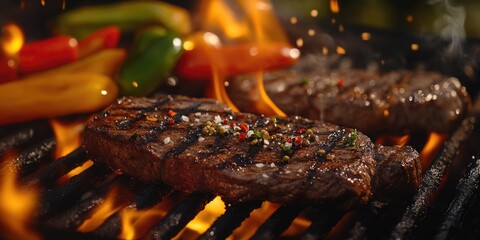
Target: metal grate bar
<point x="322" y="225"/>
<point x="48" y="175"/>
<point x="466" y="188"/>
<point x="416" y="210"/>
<point x="278" y="222"/>
<point x="147" y="198"/>
<point x="60" y="198"/>
<point x="32" y="158"/>
<point x="75" y="216"/>
<point x="27" y="135"/>
<point x="180" y="215"/>
<point x="231" y="219"/>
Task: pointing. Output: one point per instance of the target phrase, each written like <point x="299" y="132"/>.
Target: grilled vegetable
<point x="8" y="69"/>
<point x="229" y="60"/>
<point x="56" y="95"/>
<point x="104" y="38"/>
<point x="151" y="59"/>
<point x="106" y="62"/>
<point x="47" y="53"/>
<point x="127" y="15"/>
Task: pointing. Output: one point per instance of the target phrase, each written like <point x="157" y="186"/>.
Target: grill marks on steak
<point x="394" y="102"/>
<point x="143" y="138"/>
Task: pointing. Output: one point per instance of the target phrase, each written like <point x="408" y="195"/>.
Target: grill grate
<point x="432" y="178"/>
<point x="65" y="206"/>
<point x="466" y="190"/>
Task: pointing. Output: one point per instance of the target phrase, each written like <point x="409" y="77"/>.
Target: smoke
<point x="450" y="25"/>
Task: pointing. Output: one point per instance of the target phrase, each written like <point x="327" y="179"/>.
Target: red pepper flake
<point x="171" y="113"/>
<point x="239" y="116"/>
<point x="289" y="140"/>
<point x="225" y="121"/>
<point x="301" y="130"/>
<point x="243" y="126"/>
<point x="340" y="82"/>
<point x="242" y="137"/>
<point x="298" y="141"/>
<point x="171" y="121"/>
<point x="232" y="123"/>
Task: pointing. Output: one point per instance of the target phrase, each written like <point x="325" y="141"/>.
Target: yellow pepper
<point x="105" y="62"/>
<point x="55" y="95"/>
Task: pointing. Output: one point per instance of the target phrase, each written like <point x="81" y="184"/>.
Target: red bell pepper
<point x="200" y="62"/>
<point x="107" y="37"/>
<point x="8" y="69"/>
<point x="47" y="53"/>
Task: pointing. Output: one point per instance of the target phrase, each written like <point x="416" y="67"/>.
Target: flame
<point x="334" y="7"/>
<point x="267" y="107"/>
<point x="231" y="26"/>
<point x="298" y="225"/>
<point x="205" y="218"/>
<point x="260" y="215"/>
<point x="68" y="136"/>
<point x="12" y="39"/>
<point x="392" y="140"/>
<point x="220" y="91"/>
<point x="111" y="204"/>
<point x="17" y="207"/>
<point x="257" y="217"/>
<point x="431" y="148"/>
<point x="136" y="223"/>
<point x="256" y="23"/>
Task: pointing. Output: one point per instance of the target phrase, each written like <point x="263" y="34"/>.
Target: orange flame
<point x="266" y="106"/>
<point x="68" y="136"/>
<point x="205" y="218"/>
<point x="392" y="140"/>
<point x="431" y="148"/>
<point x="334" y="7"/>
<point x="231" y="26"/>
<point x="255" y="22"/>
<point x="136" y="223"/>
<point x="12" y="39"/>
<point x="17" y="207"/>
<point x="111" y="204"/>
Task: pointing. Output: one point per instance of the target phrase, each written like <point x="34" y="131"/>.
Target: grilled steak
<point x="201" y="145"/>
<point x="397" y="174"/>
<point x="396" y="102"/>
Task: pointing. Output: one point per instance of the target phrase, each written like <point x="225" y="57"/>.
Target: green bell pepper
<point x="151" y="59"/>
<point x="129" y="16"/>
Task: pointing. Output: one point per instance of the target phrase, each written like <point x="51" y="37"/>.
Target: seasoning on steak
<point x="395" y="102"/>
<point x="201" y="145"/>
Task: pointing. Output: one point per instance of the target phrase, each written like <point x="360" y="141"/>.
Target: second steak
<point x="396" y="102"/>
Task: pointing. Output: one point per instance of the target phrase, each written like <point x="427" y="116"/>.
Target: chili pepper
<point x="106" y="62"/>
<point x="103" y="38"/>
<point x="8" y="69"/>
<point x="47" y="53"/>
<point x="154" y="54"/>
<point x="129" y="16"/>
<point x="199" y="62"/>
<point x="58" y="95"/>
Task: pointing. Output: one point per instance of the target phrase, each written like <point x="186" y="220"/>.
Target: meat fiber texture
<point x="200" y="145"/>
<point x="395" y="102"/>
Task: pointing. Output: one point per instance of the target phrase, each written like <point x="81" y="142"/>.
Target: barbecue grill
<point x="445" y="207"/>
